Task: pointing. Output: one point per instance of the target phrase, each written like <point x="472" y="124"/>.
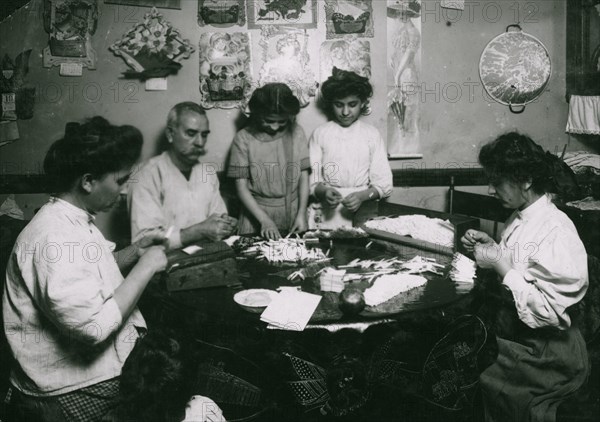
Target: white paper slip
<point x="191" y="250"/>
<point x="291" y="310"/>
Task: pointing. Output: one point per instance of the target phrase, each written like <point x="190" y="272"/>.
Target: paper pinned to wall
<point x="453" y="4"/>
<point x="403" y="73"/>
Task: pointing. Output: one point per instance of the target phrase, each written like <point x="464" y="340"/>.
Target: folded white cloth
<point x="584" y="115"/>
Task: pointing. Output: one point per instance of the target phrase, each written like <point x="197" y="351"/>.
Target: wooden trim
<point x="439" y="177"/>
<point x="38" y="183"/>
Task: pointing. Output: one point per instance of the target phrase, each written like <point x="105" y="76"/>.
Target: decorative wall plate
<point x="515" y="68"/>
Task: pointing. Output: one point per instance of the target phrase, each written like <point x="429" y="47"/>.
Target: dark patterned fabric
<point x="90" y="403"/>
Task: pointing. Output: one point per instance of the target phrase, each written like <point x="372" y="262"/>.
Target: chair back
<point x="477" y="205"/>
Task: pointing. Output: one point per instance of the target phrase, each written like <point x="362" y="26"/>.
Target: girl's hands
<point x="332" y="197"/>
<point x="269" y="230"/>
<point x="300" y="224"/>
<point x="352" y="202"/>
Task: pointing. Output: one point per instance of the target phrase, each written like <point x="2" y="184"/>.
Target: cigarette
<point x="169" y="232"/>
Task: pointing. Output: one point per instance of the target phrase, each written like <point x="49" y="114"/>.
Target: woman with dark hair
<point x="541" y="268"/>
<point x="158" y="384"/>
<point x="351" y="166"/>
<point x="70" y="317"/>
<point x="269" y="160"/>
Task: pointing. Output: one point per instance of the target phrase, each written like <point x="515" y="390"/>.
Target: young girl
<point x="351" y="167"/>
<point x="269" y="160"/>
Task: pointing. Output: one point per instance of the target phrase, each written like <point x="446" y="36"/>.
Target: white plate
<point x="254" y="298"/>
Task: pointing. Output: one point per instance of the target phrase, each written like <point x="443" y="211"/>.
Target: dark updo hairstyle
<point x="153" y="385"/>
<point x="517" y="158"/>
<point x="272" y="98"/>
<point x="341" y="84"/>
<point x="95" y="147"/>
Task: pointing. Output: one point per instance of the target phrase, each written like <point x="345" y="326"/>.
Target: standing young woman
<point x="541" y="267"/>
<point x="269" y="160"/>
<point x="70" y="317"/>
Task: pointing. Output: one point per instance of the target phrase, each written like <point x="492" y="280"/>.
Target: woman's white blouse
<point x="549" y="264"/>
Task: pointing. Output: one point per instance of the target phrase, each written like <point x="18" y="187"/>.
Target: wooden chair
<point x="477" y="205"/>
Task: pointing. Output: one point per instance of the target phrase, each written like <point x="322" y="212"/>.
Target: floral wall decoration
<point x="347" y="54"/>
<point x="221" y="13"/>
<point x="225" y="69"/>
<point x="343" y="17"/>
<point x="70" y="25"/>
<point x="153" y="48"/>
<point x="291" y="13"/>
<point x="285" y="59"/>
<point x="403" y="73"/>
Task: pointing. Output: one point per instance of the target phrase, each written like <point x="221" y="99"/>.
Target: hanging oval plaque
<point x="515" y="68"/>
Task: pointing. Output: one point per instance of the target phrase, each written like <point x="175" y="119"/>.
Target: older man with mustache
<point x="175" y="191"/>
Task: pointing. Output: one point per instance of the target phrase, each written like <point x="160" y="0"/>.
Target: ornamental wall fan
<point x="515" y="68"/>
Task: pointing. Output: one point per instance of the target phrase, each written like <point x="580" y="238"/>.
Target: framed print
<point x="295" y="13"/>
<point x="344" y="17"/>
<point x="225" y="69"/>
<point x="163" y="4"/>
<point x="285" y="59"/>
<point x="221" y="13"/>
<point x="353" y="55"/>
<point x="70" y="25"/>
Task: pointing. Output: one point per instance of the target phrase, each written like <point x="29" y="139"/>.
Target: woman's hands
<point x="154" y="258"/>
<point x="487" y="252"/>
<point x="472" y="237"/>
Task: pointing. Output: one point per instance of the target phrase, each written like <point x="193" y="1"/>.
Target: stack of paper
<point x="290" y="310"/>
<point x="332" y="280"/>
<point x="463" y="268"/>
<point x="388" y="286"/>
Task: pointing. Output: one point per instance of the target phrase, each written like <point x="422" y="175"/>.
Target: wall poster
<point x="345" y="17"/>
<point x="295" y="13"/>
<point x="403" y="71"/>
<point x="348" y="54"/>
<point x="285" y="59"/>
<point x="225" y="69"/>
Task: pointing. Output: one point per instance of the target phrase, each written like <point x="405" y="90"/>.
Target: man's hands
<point x="151" y="238"/>
<point x="216" y="227"/>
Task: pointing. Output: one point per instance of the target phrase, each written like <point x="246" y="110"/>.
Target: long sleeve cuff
<point x="175" y="238"/>
<point x="379" y="191"/>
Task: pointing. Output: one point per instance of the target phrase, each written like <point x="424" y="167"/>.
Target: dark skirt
<point x="536" y="369"/>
